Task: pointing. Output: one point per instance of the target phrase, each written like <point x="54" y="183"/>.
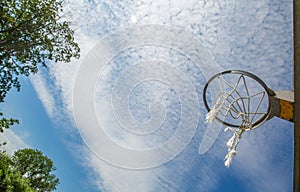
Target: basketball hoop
<point x="243" y="103"/>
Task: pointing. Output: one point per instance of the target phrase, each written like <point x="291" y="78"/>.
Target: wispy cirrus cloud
<point x="14" y="142"/>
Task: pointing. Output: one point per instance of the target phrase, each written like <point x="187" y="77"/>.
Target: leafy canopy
<point x="32" y="32"/>
<point x="32" y="164"/>
<point x="11" y="179"/>
<point x="27" y="170"/>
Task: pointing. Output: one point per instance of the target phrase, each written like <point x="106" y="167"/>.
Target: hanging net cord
<point x="232" y="104"/>
<point x="232" y="144"/>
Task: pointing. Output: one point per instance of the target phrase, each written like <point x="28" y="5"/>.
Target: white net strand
<point x="229" y="157"/>
<point x="232" y="144"/>
<point x="211" y="115"/>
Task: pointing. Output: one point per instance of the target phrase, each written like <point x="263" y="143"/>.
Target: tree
<point x="27" y="170"/>
<point x="32" y="32"/>
<point x="37" y="168"/>
<point x="10" y="179"/>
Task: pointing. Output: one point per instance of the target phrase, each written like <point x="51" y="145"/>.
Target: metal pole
<point x="296" y="13"/>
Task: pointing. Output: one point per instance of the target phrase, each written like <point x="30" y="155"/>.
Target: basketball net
<point x="237" y="108"/>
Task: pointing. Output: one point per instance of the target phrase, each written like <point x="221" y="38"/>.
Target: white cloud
<point x="266" y="154"/>
<point x="43" y="93"/>
<point x="118" y="179"/>
<point x="14" y="142"/>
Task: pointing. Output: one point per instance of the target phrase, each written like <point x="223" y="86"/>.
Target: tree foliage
<point x="27" y="170"/>
<point x="11" y="180"/>
<point x="32" y="32"/>
<point x="5" y="123"/>
<point x="36" y="167"/>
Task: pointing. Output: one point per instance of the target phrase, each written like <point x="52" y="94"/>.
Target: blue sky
<point x="254" y="36"/>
